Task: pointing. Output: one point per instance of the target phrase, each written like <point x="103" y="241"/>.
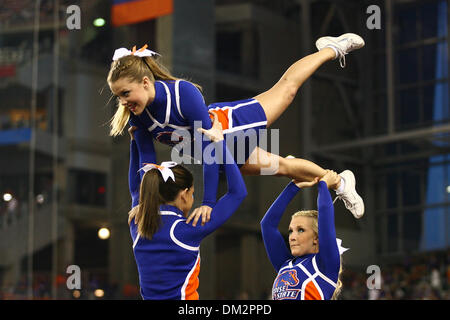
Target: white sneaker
<point x="343" y="45"/>
<point x="349" y="196"/>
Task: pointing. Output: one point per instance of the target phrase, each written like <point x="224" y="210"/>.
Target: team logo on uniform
<point x="283" y="282"/>
<point x="170" y="138"/>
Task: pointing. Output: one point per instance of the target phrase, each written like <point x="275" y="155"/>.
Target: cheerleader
<point x="166" y="248"/>
<point x="309" y="269"/>
<point x="150" y="97"/>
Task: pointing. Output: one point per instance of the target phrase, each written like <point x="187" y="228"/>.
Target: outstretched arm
<point x="224" y="208"/>
<point x="193" y="108"/>
<point x="141" y="151"/>
<point x="274" y="242"/>
<point x="328" y="258"/>
<point x="144" y="141"/>
<point x="229" y="203"/>
<point x="134" y="179"/>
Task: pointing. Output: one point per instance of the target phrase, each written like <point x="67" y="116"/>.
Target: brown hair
<point x="134" y="68"/>
<point x="315" y="226"/>
<point x="154" y="191"/>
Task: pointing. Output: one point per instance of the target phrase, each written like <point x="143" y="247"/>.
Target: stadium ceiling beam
<point x="334" y="156"/>
<point x="410" y="157"/>
<point x="383" y="139"/>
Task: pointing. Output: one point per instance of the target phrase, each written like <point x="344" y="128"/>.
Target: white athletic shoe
<point x="349" y="196"/>
<point x="343" y="44"/>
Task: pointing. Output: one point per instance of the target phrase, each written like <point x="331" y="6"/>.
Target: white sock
<point x="335" y="50"/>
<point x="341" y="187"/>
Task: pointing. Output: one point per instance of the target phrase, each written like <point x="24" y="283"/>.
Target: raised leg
<point x="276" y="100"/>
<point x="262" y="162"/>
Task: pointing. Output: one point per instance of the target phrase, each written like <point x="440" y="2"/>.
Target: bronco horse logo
<point x="169" y="137"/>
<point x="288" y="278"/>
<point x="285" y="280"/>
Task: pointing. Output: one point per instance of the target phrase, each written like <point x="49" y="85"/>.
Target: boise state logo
<point x="169" y="137"/>
<point x="283" y="282"/>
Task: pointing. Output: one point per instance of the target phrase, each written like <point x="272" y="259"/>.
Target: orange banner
<point x="125" y="12"/>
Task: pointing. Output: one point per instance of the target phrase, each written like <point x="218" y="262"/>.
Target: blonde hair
<point x="135" y="69"/>
<point x="315" y="226"/>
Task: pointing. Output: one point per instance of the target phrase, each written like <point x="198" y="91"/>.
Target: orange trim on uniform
<point x="222" y="114"/>
<point x="311" y="292"/>
<point x="191" y="288"/>
<point x="139" y="10"/>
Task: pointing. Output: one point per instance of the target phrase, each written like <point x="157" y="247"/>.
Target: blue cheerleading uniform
<point x="178" y="109"/>
<point x="169" y="263"/>
<point x="311" y="276"/>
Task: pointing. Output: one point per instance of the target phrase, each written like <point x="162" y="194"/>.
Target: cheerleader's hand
<point x="306" y="184"/>
<point x="332" y="179"/>
<point x="215" y="134"/>
<point x="203" y="211"/>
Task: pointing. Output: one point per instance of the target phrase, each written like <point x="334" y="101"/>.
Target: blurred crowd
<point x="424" y="276"/>
<point x="95" y="288"/>
<point x="418" y="277"/>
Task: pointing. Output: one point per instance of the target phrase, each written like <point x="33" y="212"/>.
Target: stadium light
<point x="99" y="293"/>
<point x="103" y="233"/>
<point x="40" y="198"/>
<point x="76" y="294"/>
<point x="7" y="197"/>
<point x="99" y="22"/>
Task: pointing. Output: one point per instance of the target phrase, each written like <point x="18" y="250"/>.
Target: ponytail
<point x="338" y="289"/>
<point x="154" y="191"/>
<point x="148" y="216"/>
<point x="135" y="69"/>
